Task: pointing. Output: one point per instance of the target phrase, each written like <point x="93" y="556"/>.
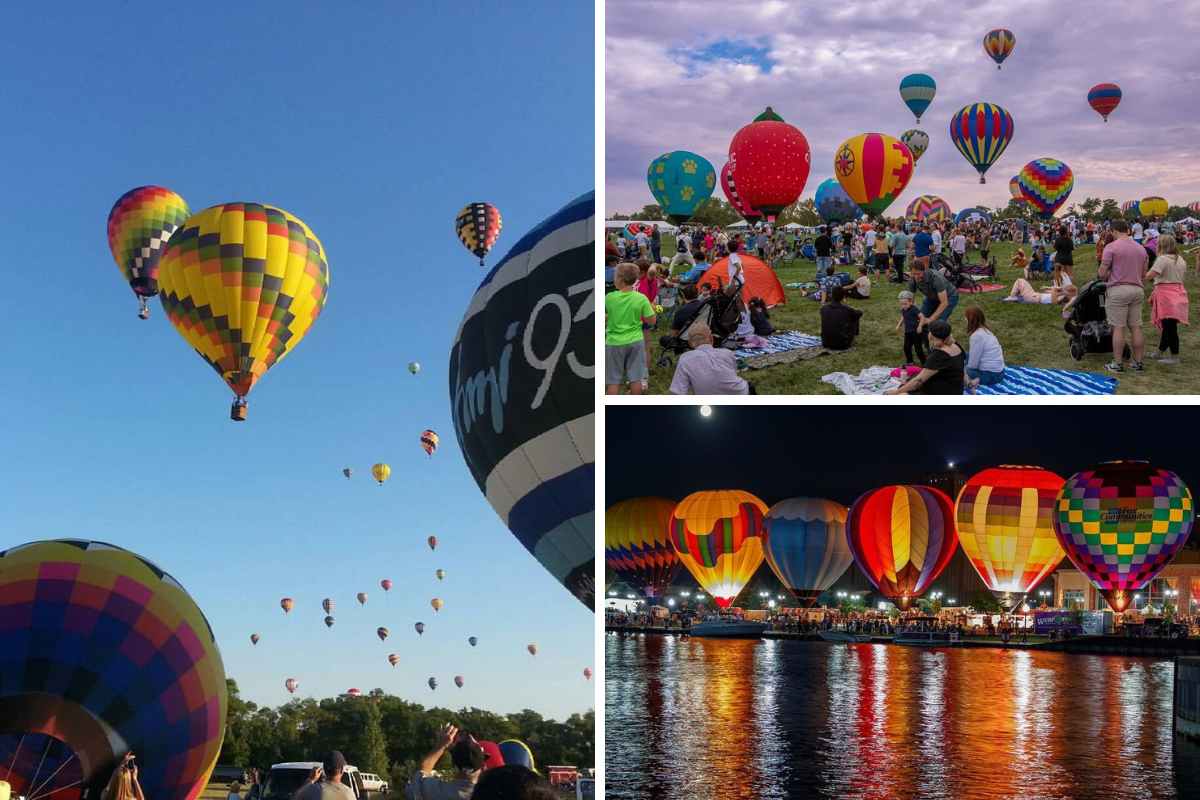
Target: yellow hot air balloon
<point x="243" y="283"/>
<point x="381" y="472"/>
<point x="436" y="603"/>
<point x="717" y="536"/>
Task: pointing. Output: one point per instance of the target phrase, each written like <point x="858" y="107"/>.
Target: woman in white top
<point x="1169" y="300"/>
<point x="1059" y="279"/>
<point x="985" y="357"/>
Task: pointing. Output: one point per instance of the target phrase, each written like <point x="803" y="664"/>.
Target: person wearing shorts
<point x="1124" y="268"/>
<point x="625" y="312"/>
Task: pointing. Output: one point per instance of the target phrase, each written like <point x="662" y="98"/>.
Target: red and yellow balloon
<point x="717" y="537"/>
<point x="637" y="545"/>
<point x="874" y="169"/>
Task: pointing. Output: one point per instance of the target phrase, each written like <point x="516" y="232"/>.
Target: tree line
<point x="387" y="736"/>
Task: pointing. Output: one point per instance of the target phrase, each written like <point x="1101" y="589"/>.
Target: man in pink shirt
<point x="1124" y="268"/>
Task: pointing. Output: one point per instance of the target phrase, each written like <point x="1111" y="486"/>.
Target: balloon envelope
<point x="998" y="44"/>
<point x="587" y="673"/>
<point x="971" y="215"/>
<point x="328" y="622"/>
<point x="382" y="633"/>
<point x="349" y="473"/>
<point x="637" y="545"/>
<point x="478" y="227"/>
<point x="929" y="207"/>
<point x="981" y="132"/>
<point x="394" y="659"/>
<point x="681" y="183"/>
<point x="1153" y="207"/>
<point x="254" y="638"/>
<point x="1104" y="98"/>
<point x="717" y="537"/>
<point x="917" y="92"/>
<point x="751" y="215"/>
<point x="1130" y="205"/>
<point x="420" y="628"/>
<point x="429" y="442"/>
<point x="459" y="681"/>
<point x="386" y="584"/>
<point x="874" y="169"/>
<point x="327" y="604"/>
<point x="291" y="684"/>
<point x="804" y="542"/>
<point x="1014" y="188"/>
<point x="139" y="225"/>
<point x="517" y="752"/>
<point x="771" y="160"/>
<point x="1046" y="184"/>
<point x="433" y="683"/>
<point x="436" y="603"/>
<point x="286" y="604"/>
<point x="432" y="542"/>
<point x="533" y="649"/>
<point x="381" y="472"/>
<point x="833" y="204"/>
<point x="471" y="640"/>
<point x="362" y="598"/>
<point x="917" y="142"/>
<point x="414" y="367"/>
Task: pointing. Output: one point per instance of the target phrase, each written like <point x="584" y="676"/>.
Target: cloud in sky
<point x="688" y="75"/>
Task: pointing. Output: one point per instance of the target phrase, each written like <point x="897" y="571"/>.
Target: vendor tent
<point x="760" y="280"/>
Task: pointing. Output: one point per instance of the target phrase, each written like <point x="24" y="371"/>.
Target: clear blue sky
<point x="374" y="123"/>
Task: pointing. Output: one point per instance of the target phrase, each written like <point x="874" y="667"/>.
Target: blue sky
<point x="373" y="123"/>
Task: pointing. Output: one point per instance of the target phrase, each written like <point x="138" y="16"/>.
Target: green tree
<point x="986" y="603"/>
<point x="622" y="217"/>
<point x="715" y="212"/>
<point x="652" y="212"/>
<point x="1109" y="209"/>
<point x="1091" y="209"/>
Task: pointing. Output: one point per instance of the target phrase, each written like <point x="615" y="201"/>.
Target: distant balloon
<point x="930" y="208"/>
<point x="386" y="584"/>
<point x="587" y="673"/>
<point x="1014" y="188"/>
<point x="354" y="692"/>
<point x="804" y="542"/>
<point x="381" y="472"/>
<point x="327" y="604"/>
<point x="833" y="204"/>
<point x="917" y="142"/>
<point x="471" y="640"/>
<point x="414" y="367"/>
<point x="429" y="442"/>
<point x="771" y="160"/>
<point x="433" y="683"/>
<point x="1130" y="205"/>
<point x="998" y="44"/>
<point x="717" y="535"/>
<point x="441" y="574"/>
<point x="751" y="215"/>
<point x="139" y="225"/>
<point x="478" y="227"/>
<point x="917" y="92"/>
<point x="254" y="637"/>
<point x="874" y="169"/>
<point x="1104" y="98"/>
<point x="291" y="684"/>
<point x="436" y="603"/>
<point x="382" y="633"/>
<point x="328" y="622"/>
<point x="1194" y="207"/>
<point x="362" y="598"/>
<point x="393" y="659"/>
<point x="981" y="132"/>
<point x="1153" y="207"/>
<point x="459" y="681"/>
<point x="432" y="542"/>
<point x="286" y="604"/>
<point x="533" y="649"/>
<point x="348" y="472"/>
<point x="681" y="182"/>
<point x="420" y="628"/>
<point x="1046" y="184"/>
<point x="638" y="547"/>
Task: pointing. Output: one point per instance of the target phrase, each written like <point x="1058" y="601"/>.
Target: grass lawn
<point x="1032" y="336"/>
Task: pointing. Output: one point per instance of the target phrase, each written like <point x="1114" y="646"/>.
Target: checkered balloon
<point x="139" y="225"/>
<point x="478" y="227"/>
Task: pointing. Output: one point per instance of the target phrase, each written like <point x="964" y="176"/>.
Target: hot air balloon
<point x="917" y="142"/>
<point x="634" y="228"/>
<point x="354" y="692"/>
<point x="254" y="637"/>
<point x="1153" y="207"/>
<point x="328" y="622"/>
<point x="1014" y="188"/>
<point x="436" y="603"/>
<point x="587" y="673"/>
<point x="432" y="542"/>
<point x="998" y="44"/>
<point x="433" y="683"/>
<point x="1046" y="184"/>
<point x="751" y="215"/>
<point x="286" y="604"/>
<point x="717" y="537"/>
<point x="902" y="537"/>
<point x="429" y="442"/>
<point x="459" y="681"/>
<point x="771" y="160"/>
<point x="349" y="473"/>
<point x="386" y="584"/>
<point x="1104" y="98"/>
<point x="981" y="132"/>
<point x="327" y="604"/>
<point x="291" y="684"/>
<point x="95" y="642"/>
<point x="393" y="659"/>
<point x="139" y="225"/>
<point x="1130" y="205"/>
<point x="478" y="227"/>
<point x="243" y="283"/>
<point x="1194" y="207"/>
<point x="1005" y="527"/>
<point x="381" y="472"/>
<point x="517" y="753"/>
<point x="382" y="633"/>
<point x="441" y="574"/>
<point x="929" y="207"/>
<point x="414" y="367"/>
<point x="420" y="628"/>
<point x="362" y="598"/>
<point x="972" y="215"/>
<point x="873" y="168"/>
<point x="917" y="92"/>
<point x="637" y="545"/>
<point x="529" y="333"/>
<point x="471" y="640"/>
<point x="804" y="542"/>
<point x="533" y="649"/>
<point x="681" y="183"/>
<point x="833" y="204"/>
<point x="1120" y="523"/>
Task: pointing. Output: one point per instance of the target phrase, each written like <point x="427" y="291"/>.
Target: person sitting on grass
<point x="1023" y="292"/>
<point x="1019" y="261"/>
<point x="707" y="370"/>
<point x="944" y="371"/>
<point x="760" y="318"/>
<point x="699" y="267"/>
<point x="861" y="290"/>
<point x="839" y="322"/>
<point x="625" y="312"/>
<point x="985" y="357"/>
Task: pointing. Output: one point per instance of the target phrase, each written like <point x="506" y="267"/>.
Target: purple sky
<point x="687" y="75"/>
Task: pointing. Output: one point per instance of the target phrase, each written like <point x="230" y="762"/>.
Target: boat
<point x="918" y="632"/>
<point x="844" y="637"/>
<point x="728" y="628"/>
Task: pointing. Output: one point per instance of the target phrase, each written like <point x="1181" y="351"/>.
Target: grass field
<point x="1032" y="336"/>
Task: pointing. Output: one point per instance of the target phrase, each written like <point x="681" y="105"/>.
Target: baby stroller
<point x="981" y="272"/>
<point x="1088" y="323"/>
<point x="954" y="273"/>
<point x="719" y="312"/>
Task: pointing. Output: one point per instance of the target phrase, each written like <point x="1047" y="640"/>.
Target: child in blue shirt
<point x="910" y="318"/>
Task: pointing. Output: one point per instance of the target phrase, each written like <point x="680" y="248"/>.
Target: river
<point x="701" y="719"/>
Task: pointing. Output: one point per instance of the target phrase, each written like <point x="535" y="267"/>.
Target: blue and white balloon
<point x="804" y="541"/>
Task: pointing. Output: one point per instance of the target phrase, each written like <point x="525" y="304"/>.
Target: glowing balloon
<point x="382" y="633"/>
<point x="432" y="542"/>
<point x="1130" y="205"/>
<point x="916" y="141"/>
<point x="349" y="473"/>
<point x="533" y="649"/>
<point x="751" y="215"/>
<point x="420" y="628"/>
<point x="429" y="442"/>
<point x="1120" y="523"/>
<point x="681" y="183"/>
<point x="393" y="659"/>
<point x="327" y="604"/>
<point x="291" y="684"/>
<point x="386" y="584"/>
<point x="771" y="160"/>
<point x="436" y="603"/>
<point x="717" y="537"/>
<point x="587" y="673"/>
<point x="1014" y="188"/>
<point x="286" y="604"/>
<point x="414" y="367"/>
<point x="873" y="168"/>
<point x="917" y="92"/>
<point x="902" y="537"/>
<point x="998" y="44"/>
<point x="1153" y="207"/>
<point x="381" y="472"/>
<point x="1006" y="527"/>
<point x="833" y="204"/>
<point x="328" y="622"/>
<point x="471" y="640"/>
<point x="139" y="225"/>
<point x="1104" y="98"/>
<point x="254" y="637"/>
<point x="459" y="681"/>
<point x="433" y="683"/>
<point x="362" y="598"/>
<point x="478" y="227"/>
<point x="929" y="207"/>
<point x="243" y="283"/>
<point x="981" y="132"/>
<point x="804" y="542"/>
<point x="1046" y="184"/>
<point x="637" y="545"/>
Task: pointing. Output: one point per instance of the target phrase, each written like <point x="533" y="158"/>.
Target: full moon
<point x="705" y="411"/>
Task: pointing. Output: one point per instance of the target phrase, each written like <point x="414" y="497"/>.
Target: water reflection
<point x="700" y="719"/>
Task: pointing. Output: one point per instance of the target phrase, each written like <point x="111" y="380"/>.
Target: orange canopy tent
<point x="760" y="280"/>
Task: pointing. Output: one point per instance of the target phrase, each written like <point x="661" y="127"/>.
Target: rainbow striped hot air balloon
<point x="929" y="207"/>
<point x="998" y="44"/>
<point x="637" y="545"/>
<point x="833" y="204"/>
<point x="917" y="92"/>
<point x="804" y="541"/>
<point x="1153" y="207"/>
<point x="139" y="225"/>
<point x="874" y="169"/>
<point x="1120" y="523"/>
<point x="1046" y="184"/>
<point x="681" y="183"/>
<point x="902" y="537"/>
<point x="917" y="142"/>
<point x="1014" y="188"/>
<point x="981" y="132"/>
<point x="1103" y="98"/>
<point x="717" y="537"/>
<point x="1006" y="527"/>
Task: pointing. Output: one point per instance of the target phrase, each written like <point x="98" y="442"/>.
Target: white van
<point x="284" y="779"/>
<point x="374" y="783"/>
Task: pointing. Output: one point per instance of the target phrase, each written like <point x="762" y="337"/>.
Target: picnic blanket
<point x="988" y="287"/>
<point x="1017" y="380"/>
<point x="786" y="348"/>
<point x="872" y="380"/>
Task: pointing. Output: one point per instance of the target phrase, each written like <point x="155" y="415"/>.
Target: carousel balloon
<point x="1120" y="523"/>
<point x="291" y="684"/>
<point x="432" y="542"/>
<point x="362" y="598"/>
<point x="771" y="160"/>
<point x="414" y="367"/>
<point x="533" y="649"/>
<point x="634" y="228"/>
<point x="382" y="633"/>
<point x="478" y="227"/>
<point x="327" y="604"/>
<point x="1104" y="98"/>
<point x="804" y="542"/>
<point x="916" y="141"/>
<point x="998" y="44"/>
<point x="349" y="473"/>
<point x="433" y="683"/>
<point x="833" y="204"/>
<point x="981" y="132"/>
<point x="873" y="168"/>
<point x="1046" y="184"/>
<point x="471" y="640"/>
<point x="587" y="673"/>
<point x="1006" y="527"/>
<point x="1153" y="207"/>
<point x="1014" y="188"/>
<point x="637" y="545"/>
<point x="929" y="207"/>
<point x="420" y="628"/>
<point x="917" y="92"/>
<point x="286" y="604"/>
<point x="1130" y="205"/>
<point x="243" y="283"/>
<point x="381" y="472"/>
<point x="429" y="442"/>
<point x="516" y="752"/>
<point x="681" y="183"/>
<point x="972" y="215"/>
<point x="902" y="537"/>
<point x="139" y="225"/>
<point x="717" y="535"/>
<point x="254" y="638"/>
<point x="751" y="215"/>
<point x="393" y="659"/>
<point x="95" y="643"/>
<point x="328" y="622"/>
<point x="436" y="603"/>
<point x="459" y="681"/>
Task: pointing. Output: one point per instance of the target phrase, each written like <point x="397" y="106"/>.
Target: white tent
<point x="665" y="227"/>
<point x="614" y="223"/>
<point x="1189" y="220"/>
<point x="792" y="226"/>
<point x="739" y="224"/>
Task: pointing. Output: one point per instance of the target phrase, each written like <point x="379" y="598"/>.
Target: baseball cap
<point x="491" y="756"/>
<point x="334" y="762"/>
<point x="939" y="329"/>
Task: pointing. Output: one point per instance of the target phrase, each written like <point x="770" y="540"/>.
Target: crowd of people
<point x="649" y="293"/>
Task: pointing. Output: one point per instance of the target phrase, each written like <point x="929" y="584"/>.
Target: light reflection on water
<point x="701" y="719"/>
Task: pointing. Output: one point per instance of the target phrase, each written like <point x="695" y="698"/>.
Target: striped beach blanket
<point x="1031" y="380"/>
<point x="781" y="343"/>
